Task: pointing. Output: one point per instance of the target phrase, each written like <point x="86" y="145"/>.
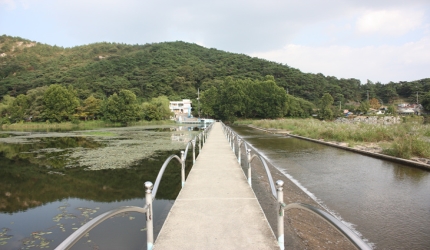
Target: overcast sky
<point x="380" y="40"/>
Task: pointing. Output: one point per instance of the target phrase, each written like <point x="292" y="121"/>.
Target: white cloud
<point x="320" y="33"/>
<point x="377" y="63"/>
<point x="14" y="4"/>
<point x="10" y="4"/>
<point x="389" y="22"/>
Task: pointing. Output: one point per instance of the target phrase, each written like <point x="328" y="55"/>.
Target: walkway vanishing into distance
<point x="217" y="208"/>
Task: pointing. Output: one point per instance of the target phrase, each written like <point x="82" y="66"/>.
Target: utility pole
<point x="340" y="105"/>
<point x="198" y="101"/>
<point x="417" y="97"/>
<point x="367" y="95"/>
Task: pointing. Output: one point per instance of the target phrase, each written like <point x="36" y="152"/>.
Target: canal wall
<point x="422" y="165"/>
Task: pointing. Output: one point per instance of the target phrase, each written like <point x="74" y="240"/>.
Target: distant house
<point x="405" y="111"/>
<point x="409" y="109"/>
<point x="181" y="107"/>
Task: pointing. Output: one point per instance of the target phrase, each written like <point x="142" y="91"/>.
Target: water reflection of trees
<point x="47" y="151"/>
<point x="24" y="184"/>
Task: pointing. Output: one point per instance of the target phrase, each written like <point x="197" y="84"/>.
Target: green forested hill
<point x="174" y="69"/>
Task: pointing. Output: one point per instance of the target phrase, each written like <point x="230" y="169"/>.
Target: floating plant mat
<point x="122" y="153"/>
<point x="97" y="149"/>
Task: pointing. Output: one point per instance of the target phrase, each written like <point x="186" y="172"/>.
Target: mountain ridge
<point x="175" y="69"/>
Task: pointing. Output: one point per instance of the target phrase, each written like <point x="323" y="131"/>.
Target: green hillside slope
<point x="174" y="69"/>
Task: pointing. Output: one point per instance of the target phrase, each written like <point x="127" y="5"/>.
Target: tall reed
<point x="403" y="140"/>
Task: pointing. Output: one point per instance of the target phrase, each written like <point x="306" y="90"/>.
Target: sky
<point x="377" y="40"/>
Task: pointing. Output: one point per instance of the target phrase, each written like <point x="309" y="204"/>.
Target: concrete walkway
<point x="216" y="209"/>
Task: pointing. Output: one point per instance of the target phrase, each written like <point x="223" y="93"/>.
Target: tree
<point x="266" y="99"/>
<point x="18" y="109"/>
<point x="92" y="106"/>
<point x="426" y="101"/>
<point x="121" y="107"/>
<point x="297" y="107"/>
<point x="35" y="99"/>
<point x="391" y="110"/>
<point x="157" y="109"/>
<point x="209" y="102"/>
<point x="325" y="111"/>
<point x="230" y="100"/>
<point x="5" y="106"/>
<point x="364" y="107"/>
<point x="60" y="103"/>
<point x="374" y="103"/>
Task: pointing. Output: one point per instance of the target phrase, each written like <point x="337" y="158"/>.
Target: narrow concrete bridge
<point x="217" y="208"/>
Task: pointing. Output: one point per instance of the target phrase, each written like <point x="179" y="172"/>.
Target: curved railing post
<point x="194" y="150"/>
<point x="280" y="194"/>
<point x="183" y="168"/>
<point x="234" y="136"/>
<point x="149" y="224"/>
<point x="229" y="138"/>
<point x="203" y="138"/>
<point x="239" y="142"/>
<point x="200" y="143"/>
<point x="248" y="154"/>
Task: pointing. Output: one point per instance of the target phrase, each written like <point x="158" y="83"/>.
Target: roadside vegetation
<point x="405" y="140"/>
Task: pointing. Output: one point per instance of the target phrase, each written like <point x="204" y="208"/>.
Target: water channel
<point x="387" y="203"/>
<point x="52" y="183"/>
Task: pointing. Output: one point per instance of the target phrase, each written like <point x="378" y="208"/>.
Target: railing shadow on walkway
<point x="236" y="141"/>
<point x="150" y="194"/>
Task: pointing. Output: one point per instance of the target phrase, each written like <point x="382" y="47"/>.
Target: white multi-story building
<point x="181" y="107"/>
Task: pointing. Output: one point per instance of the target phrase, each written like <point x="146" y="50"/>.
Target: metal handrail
<point x="150" y="193"/>
<point x="269" y="175"/>
<point x="161" y="172"/>
<point x="278" y="194"/>
<point x="335" y="223"/>
<point x="78" y="234"/>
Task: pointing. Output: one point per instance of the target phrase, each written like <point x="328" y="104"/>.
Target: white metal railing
<point x="150" y="194"/>
<point x="277" y="193"/>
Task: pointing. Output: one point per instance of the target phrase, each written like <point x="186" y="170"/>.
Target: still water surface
<point x="388" y="203"/>
<point x="45" y="195"/>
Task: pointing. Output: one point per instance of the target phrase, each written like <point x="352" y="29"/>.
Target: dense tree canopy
<point x="173" y="69"/>
<point x="246" y="98"/>
<point x="325" y="111"/>
<point x="122" y="107"/>
<point x="91" y="80"/>
<point x="157" y="109"/>
<point x="59" y="103"/>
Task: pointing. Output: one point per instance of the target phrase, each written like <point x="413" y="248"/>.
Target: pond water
<point x="52" y="183"/>
<point x="388" y="203"/>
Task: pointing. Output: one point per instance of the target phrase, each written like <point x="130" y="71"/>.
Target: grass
<point x="404" y="140"/>
<point x="100" y="133"/>
<point x="46" y="126"/>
